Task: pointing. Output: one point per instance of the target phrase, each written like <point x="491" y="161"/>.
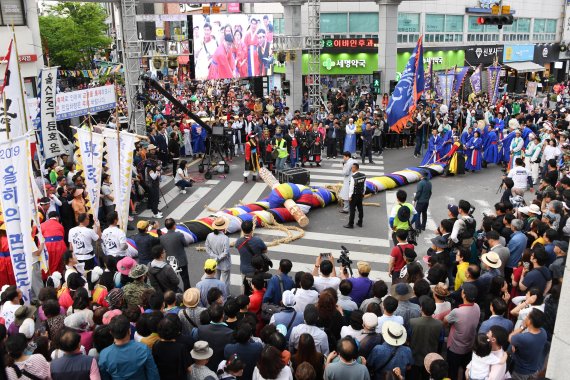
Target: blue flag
<point x="408" y="90"/>
<point x="459" y="78"/>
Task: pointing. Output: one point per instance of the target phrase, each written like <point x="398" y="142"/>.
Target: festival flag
<point x="459" y="78"/>
<point x="445" y="85"/>
<point x="50" y="140"/>
<point x="493" y="72"/>
<point x="429" y="76"/>
<point x="475" y="80"/>
<point x="12" y="121"/>
<point x="408" y="90"/>
<point x="17" y="214"/>
<point x="90" y="160"/>
<point x="120" y="150"/>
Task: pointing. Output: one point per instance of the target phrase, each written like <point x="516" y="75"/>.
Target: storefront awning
<point x="525" y="67"/>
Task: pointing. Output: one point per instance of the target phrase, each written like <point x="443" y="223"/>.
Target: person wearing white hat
<point x="490" y="264"/>
<point x="218" y="248"/>
<point x="392" y="353"/>
<point x="493" y="239"/>
<point x="201" y="353"/>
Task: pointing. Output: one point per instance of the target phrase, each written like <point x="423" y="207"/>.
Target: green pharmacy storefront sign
<point x="344" y="63"/>
<point x="441" y="59"/>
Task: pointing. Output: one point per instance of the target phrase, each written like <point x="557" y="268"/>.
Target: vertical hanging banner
<point x="15" y="196"/>
<point x="475" y="80"/>
<point x="13" y="116"/>
<point x="429" y="76"/>
<point x="445" y="86"/>
<point x="459" y="78"/>
<point x="51" y="141"/>
<point x="408" y="90"/>
<point x="120" y="151"/>
<point x="91" y="162"/>
<point x="493" y="82"/>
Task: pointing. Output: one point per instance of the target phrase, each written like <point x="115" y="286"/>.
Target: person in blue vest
<point x="474" y="147"/>
<point x="434" y="146"/>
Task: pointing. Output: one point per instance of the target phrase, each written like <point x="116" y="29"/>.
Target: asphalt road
<point x="325" y="232"/>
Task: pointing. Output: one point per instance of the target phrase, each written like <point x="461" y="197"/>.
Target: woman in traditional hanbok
<point x="350" y="138"/>
<point x="491" y="150"/>
<point x="474" y="147"/>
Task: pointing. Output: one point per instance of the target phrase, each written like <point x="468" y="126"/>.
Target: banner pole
<point x="20" y="79"/>
<point x="6" y="115"/>
<point x="117" y="124"/>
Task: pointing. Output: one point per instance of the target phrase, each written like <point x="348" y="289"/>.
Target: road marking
<point x="364" y="167"/>
<point x="169" y="197"/>
<point x="254" y="194"/>
<point x="212" y="182"/>
<point x="323" y="184"/>
<point x="183" y="208"/>
<point x="338" y="172"/>
<point x="332" y="238"/>
<point x="486" y="206"/>
<point x="220" y="201"/>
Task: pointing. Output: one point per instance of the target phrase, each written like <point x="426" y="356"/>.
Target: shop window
<point x="12" y="12"/>
<point x="444" y="28"/>
<point x="408" y="27"/>
<point x="334" y="22"/>
<point x="481" y="33"/>
<point x="544" y="29"/>
<point x="363" y="22"/>
<point x="279" y="25"/>
<point x="519" y="31"/>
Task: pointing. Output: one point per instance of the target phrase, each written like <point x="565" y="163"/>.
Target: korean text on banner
<point x="475" y="80"/>
<point x="445" y="86"/>
<point x="51" y="141"/>
<point x="121" y="152"/>
<point x="13" y="116"/>
<point x="493" y="72"/>
<point x="79" y="103"/>
<point x="15" y="184"/>
<point x="91" y="162"/>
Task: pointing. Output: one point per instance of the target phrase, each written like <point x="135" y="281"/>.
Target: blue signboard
<point x="518" y="53"/>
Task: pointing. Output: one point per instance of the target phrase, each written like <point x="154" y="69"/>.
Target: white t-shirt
<point x="481" y="366"/>
<point x="114" y="239"/>
<point x="519" y="175"/>
<point x="8" y="313"/>
<point x="106" y="190"/>
<point x="305" y="297"/>
<point x="321" y="283"/>
<point x="180" y="174"/>
<point x="285" y="374"/>
<point x="82" y="239"/>
<point x="394" y="318"/>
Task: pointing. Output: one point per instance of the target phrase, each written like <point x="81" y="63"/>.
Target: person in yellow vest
<point x="403" y="215"/>
<point x="282" y="152"/>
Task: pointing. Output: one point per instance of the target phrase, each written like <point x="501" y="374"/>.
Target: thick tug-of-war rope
<point x="270" y="213"/>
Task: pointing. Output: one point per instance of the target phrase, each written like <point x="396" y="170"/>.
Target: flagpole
<point x="117" y="125"/>
<point x="20" y="79"/>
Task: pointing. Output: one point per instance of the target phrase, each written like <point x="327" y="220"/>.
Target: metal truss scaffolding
<point x="132" y="64"/>
<point x="314" y="48"/>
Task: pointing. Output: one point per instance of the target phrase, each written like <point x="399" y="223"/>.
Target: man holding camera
<point x="327" y="278"/>
<point x="464" y="227"/>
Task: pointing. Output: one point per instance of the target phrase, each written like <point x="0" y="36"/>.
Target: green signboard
<point x="441" y="59"/>
<point x="345" y="63"/>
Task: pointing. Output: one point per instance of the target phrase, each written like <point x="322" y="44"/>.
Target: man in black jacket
<point x="217" y="334"/>
<point x="145" y="242"/>
<point x="161" y="275"/>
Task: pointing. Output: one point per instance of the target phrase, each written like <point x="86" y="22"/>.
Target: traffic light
<point x="376" y="82"/>
<point x="499" y="20"/>
<point x="286" y="87"/>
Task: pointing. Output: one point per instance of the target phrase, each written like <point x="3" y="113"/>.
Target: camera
<point x="344" y="260"/>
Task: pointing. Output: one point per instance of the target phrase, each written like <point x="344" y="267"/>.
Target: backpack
<point x="268" y="309"/>
<point x="403" y="213"/>
<point x="469" y="230"/>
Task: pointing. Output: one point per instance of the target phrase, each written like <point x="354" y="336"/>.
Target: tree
<point x="73" y="32"/>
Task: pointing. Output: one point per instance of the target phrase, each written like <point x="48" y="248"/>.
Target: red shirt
<point x="255" y="301"/>
<point x="398" y="255"/>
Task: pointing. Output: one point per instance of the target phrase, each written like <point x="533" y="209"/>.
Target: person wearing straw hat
<point x="490" y="264"/>
<point x="218" y="248"/>
<point x="392" y="353"/>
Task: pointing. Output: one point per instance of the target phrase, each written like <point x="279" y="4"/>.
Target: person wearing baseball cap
<point x="210" y="281"/>
<point x="144" y="241"/>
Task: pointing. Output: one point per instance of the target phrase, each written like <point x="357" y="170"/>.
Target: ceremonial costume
<point x="304" y="146"/>
<point x="251" y="158"/>
<point x="474" y="147"/>
<point x="6" y="270"/>
<point x="315" y="150"/>
<point x="350" y="138"/>
<point x="293" y="144"/>
<point x="456" y="159"/>
<point x="432" y="152"/>
<point x="53" y="233"/>
<point x="491" y="150"/>
<point x="505" y="150"/>
<point x="198" y="139"/>
<point x="516" y="148"/>
<point x="532" y="158"/>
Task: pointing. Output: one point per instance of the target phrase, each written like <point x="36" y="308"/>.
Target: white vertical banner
<point x="12" y="114"/>
<point x="120" y="155"/>
<point x="566" y="26"/>
<point x="15" y="199"/>
<point x="51" y="141"/>
<point x="91" y="151"/>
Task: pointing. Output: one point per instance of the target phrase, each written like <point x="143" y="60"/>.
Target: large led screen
<point x="232" y="45"/>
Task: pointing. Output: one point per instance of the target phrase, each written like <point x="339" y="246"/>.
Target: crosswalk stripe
<point x="324" y="183"/>
<point x="312" y="252"/>
<point x="364" y="167"/>
<point x="183" y="208"/>
<point x="338" y="172"/>
<point x="169" y="197"/>
<point x="212" y="182"/>
<point x="165" y="181"/>
<point x="486" y="206"/>
<point x="254" y="194"/>
<point x="327" y="177"/>
<point x="220" y="201"/>
<point x="332" y="238"/>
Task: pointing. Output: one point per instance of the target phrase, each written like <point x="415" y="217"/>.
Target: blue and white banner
<point x="17" y="213"/>
<point x="475" y="80"/>
<point x="408" y="90"/>
<point x="51" y="145"/>
<point x="459" y="78"/>
<point x="429" y="76"/>
<point x="445" y="86"/>
<point x="493" y="72"/>
<point x="91" y="151"/>
<point x="120" y="151"/>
